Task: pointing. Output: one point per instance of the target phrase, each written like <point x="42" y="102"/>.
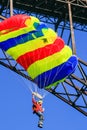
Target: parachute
<point x="37" y="49"/>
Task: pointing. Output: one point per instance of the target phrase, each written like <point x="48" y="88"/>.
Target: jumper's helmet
<point x="40" y="101"/>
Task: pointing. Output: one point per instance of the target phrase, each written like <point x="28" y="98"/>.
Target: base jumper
<point x="38" y="110"/>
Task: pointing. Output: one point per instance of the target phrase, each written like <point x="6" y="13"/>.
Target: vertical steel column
<point x="71" y="29"/>
<point x="11" y="7"/>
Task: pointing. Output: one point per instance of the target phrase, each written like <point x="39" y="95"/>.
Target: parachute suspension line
<point x="21" y="79"/>
<point x="28" y="87"/>
<point x="40" y="90"/>
<point x="33" y="88"/>
<point x="31" y="85"/>
<point x="57" y="72"/>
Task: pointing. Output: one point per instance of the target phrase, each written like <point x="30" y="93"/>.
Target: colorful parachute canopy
<point x="38" y="49"/>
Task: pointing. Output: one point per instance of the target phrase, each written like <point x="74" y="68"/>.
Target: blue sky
<point x="16" y="105"/>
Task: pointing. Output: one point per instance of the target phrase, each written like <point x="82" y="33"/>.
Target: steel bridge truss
<point x="63" y="14"/>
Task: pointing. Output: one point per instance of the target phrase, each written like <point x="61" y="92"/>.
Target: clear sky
<point x="16" y="105"/>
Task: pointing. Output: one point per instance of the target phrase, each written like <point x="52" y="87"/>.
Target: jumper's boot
<point x="40" y="124"/>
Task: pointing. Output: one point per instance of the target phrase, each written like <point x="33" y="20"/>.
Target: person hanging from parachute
<point x="39" y="50"/>
<point x="38" y="109"/>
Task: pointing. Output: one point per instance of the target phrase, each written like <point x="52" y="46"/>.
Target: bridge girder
<point x="73" y="90"/>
